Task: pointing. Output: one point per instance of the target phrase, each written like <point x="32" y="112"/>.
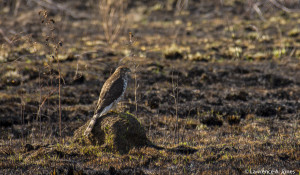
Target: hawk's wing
<point x="110" y="92"/>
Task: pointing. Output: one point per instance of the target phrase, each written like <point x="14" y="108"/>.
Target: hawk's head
<point x="123" y="70"/>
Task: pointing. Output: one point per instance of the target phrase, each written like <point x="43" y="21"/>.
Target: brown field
<point x="215" y="84"/>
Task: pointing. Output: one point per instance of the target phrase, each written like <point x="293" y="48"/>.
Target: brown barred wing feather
<point x="110" y="95"/>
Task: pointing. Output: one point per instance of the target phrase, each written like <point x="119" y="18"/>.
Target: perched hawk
<point x="111" y="93"/>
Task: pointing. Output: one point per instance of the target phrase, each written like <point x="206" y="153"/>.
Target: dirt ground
<point x="225" y="73"/>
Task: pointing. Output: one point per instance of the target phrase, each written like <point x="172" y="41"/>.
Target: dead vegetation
<point x="215" y="88"/>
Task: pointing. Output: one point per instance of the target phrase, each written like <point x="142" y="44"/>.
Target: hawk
<point x="111" y="93"/>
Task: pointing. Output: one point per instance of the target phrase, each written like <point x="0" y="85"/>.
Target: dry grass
<point x="219" y="149"/>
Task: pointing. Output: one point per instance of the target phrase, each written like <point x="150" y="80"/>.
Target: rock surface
<point x="116" y="132"/>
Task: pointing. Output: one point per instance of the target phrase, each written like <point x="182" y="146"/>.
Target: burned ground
<point x="232" y="78"/>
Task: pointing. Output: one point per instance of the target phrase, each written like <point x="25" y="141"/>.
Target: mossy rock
<point x="116" y="132"/>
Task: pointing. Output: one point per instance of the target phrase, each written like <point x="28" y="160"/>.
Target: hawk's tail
<point x="91" y="125"/>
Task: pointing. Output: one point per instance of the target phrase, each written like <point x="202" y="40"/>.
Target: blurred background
<point x="272" y="26"/>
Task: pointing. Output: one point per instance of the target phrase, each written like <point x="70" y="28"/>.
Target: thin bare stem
<point x="135" y="90"/>
<point x="59" y="98"/>
<point x="175" y="97"/>
<point x="45" y="99"/>
<point x="282" y="7"/>
<point x="258" y="11"/>
<point x="40" y="102"/>
<point x="113" y="18"/>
